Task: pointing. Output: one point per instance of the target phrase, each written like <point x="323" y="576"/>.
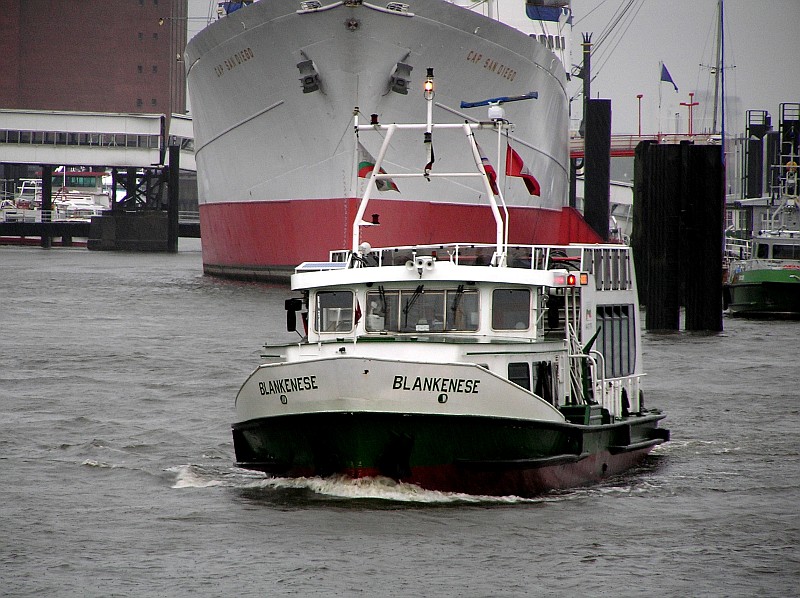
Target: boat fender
<point x="641" y="401"/>
<point x="791" y="167"/>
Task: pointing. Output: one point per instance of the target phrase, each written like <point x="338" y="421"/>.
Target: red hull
<point x="523" y="482"/>
<point x="268" y="239"/>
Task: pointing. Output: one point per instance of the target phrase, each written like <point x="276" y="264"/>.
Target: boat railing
<point x="737" y="249"/>
<point x="534" y="257"/>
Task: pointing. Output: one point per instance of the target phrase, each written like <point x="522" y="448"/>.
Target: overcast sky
<point x="761" y="37"/>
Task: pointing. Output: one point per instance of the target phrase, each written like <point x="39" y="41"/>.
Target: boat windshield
<point x="422" y="310"/>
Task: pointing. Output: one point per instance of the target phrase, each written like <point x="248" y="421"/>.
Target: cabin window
<point x="511" y="309"/>
<point x="786" y="252"/>
<point x="762" y="251"/>
<point x="616" y="339"/>
<point x="334" y="311"/>
<point x="519" y="373"/>
<point x="421" y="310"/>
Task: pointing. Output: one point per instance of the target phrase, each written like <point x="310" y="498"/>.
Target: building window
<point x="139" y="102"/>
<point x="153" y="102"/>
<point x="155" y="36"/>
<point x="139" y="68"/>
<point x="155" y="68"/>
<point x="141" y="35"/>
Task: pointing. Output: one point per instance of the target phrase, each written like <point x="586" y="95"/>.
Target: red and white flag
<point x="516" y="167"/>
<point x="491" y="174"/>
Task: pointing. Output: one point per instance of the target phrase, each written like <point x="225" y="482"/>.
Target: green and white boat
<point x="483" y="368"/>
<point x="763" y="278"/>
<point x="767" y="284"/>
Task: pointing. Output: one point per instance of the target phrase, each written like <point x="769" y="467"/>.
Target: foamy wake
<point x="381" y="488"/>
<point x="96" y="463"/>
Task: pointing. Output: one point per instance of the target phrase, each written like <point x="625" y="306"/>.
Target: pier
<point x="145" y="159"/>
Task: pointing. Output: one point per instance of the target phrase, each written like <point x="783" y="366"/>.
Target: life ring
<point x="791" y="167"/>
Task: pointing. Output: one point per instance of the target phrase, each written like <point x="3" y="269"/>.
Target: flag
<point x="490" y="171"/>
<point x="366" y="163"/>
<point x="665" y="76"/>
<point x="431" y="156"/>
<point x="358" y="313"/>
<point x="516" y="167"/>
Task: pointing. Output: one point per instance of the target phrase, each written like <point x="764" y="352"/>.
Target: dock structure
<point x="145" y="159"/>
<point x="678" y="211"/>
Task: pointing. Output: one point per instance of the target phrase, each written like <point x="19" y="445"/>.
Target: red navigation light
<point x="571" y="280"/>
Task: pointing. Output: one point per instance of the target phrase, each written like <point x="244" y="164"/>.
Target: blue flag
<point x="665" y="76"/>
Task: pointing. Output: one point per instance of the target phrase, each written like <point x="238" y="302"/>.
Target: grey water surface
<point x="118" y="373"/>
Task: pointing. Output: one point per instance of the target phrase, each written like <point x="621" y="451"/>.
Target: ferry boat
<point x="273" y="86"/>
<point x="489" y="369"/>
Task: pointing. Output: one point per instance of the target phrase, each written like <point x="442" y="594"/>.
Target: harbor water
<point x="118" y="373"/>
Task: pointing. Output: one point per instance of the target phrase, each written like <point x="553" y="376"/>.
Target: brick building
<point x="93" y="55"/>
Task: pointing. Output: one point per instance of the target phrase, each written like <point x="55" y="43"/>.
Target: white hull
<point x="260" y="140"/>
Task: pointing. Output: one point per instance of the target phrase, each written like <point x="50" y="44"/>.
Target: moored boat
<point x="763" y="274"/>
<point x="485" y="368"/>
<point x="767" y="283"/>
<point x="273" y="86"/>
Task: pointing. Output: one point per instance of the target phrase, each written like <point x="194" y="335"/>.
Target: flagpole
<point x="499" y="125"/>
<point x="354" y="180"/>
<point x="660" y="70"/>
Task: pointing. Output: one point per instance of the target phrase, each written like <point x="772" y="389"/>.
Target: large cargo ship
<point x="275" y="88"/>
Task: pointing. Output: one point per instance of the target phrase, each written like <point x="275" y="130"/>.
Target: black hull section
<point x="475" y="455"/>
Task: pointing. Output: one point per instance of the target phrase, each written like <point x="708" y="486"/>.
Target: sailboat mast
<point x="719" y="67"/>
<point x="722" y="81"/>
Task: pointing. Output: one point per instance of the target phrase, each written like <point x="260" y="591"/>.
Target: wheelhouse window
<point x="511" y="309"/>
<point x="786" y="252"/>
<point x="422" y="310"/>
<point x="334" y="311"/>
